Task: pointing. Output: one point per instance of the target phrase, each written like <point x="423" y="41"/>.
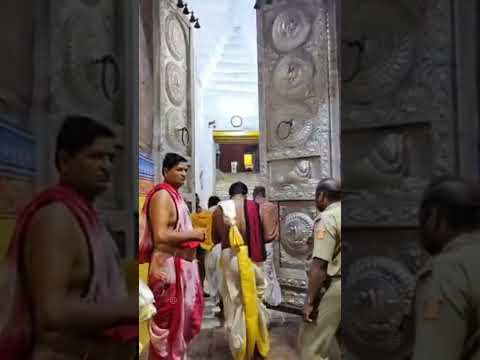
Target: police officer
<point x="447" y="305"/>
<point x="317" y="338"/>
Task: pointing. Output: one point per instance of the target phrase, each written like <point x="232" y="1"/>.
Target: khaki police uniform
<point x="317" y="340"/>
<point x="447" y="304"/>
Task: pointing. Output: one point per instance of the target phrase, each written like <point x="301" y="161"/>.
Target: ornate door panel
<point x="298" y="86"/>
<point x="398" y="130"/>
<point x="173" y="103"/>
<point x="87" y="46"/>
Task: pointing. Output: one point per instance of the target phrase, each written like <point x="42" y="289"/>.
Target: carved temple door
<point x="85" y="64"/>
<point x="173" y="90"/>
<point x="402" y="116"/>
<point x="299" y="123"/>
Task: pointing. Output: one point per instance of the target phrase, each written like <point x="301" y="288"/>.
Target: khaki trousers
<point x="317" y="341"/>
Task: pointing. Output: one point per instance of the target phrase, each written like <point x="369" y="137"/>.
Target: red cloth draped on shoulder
<point x="146" y="245"/>
<point x="15" y="324"/>
<point x="175" y="284"/>
<point x="256" y="243"/>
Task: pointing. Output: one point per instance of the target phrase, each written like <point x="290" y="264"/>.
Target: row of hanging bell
<point x="193" y="19"/>
<point x="259" y="3"/>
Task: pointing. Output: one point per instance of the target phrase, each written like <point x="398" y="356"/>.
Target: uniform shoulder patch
<point x="320" y="233"/>
<point x="432" y="310"/>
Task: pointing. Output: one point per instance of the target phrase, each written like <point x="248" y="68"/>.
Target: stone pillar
<point x="173" y="91"/>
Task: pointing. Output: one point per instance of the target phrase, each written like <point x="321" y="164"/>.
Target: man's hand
<point x="316" y="279"/>
<point x="198" y="234"/>
<point x="307" y="312"/>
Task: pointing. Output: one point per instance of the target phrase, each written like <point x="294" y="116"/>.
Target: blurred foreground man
<point x="271" y="232"/>
<point x="447" y="308"/>
<point x="168" y="242"/>
<point x="322" y="314"/>
<point x="237" y="228"/>
<point x="67" y="295"/>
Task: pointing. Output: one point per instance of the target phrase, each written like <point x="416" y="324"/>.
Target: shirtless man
<point x="237" y="227"/>
<point x="71" y="293"/>
<point x="169" y="242"/>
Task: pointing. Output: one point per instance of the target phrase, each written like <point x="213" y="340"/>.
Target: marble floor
<point x="211" y="344"/>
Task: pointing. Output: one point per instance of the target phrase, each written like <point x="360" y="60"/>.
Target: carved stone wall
<point x="145" y="84"/>
<point x="298" y="87"/>
<point x="17" y="144"/>
<point x="16" y="66"/>
<point x="400" y="117"/>
<point x="85" y="64"/>
<point x="173" y="94"/>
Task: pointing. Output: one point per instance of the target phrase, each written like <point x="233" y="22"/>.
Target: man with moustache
<point x="68" y="296"/>
<point x="169" y="243"/>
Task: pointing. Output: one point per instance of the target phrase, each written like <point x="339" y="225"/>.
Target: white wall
<point x="227" y="81"/>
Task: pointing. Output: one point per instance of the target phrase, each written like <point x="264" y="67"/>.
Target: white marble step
<point x="232" y="66"/>
<point x="236" y="84"/>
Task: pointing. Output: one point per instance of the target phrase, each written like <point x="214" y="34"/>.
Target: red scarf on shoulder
<point x="256" y="242"/>
<point x="146" y="244"/>
<point x="16" y="327"/>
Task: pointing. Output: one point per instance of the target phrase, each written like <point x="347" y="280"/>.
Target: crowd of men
<point x="65" y="296"/>
<point x="226" y="252"/>
<point x="237" y="243"/>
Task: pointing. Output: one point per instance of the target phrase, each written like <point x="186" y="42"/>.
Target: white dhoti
<point x="273" y="293"/>
<point x="213" y="273"/>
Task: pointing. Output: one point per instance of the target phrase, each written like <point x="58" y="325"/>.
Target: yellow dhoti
<point x="242" y="290"/>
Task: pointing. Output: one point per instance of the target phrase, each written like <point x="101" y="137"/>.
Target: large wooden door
<point x="299" y="123"/>
<point x="173" y="92"/>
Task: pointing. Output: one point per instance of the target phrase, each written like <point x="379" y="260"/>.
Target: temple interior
<point x="383" y="94"/>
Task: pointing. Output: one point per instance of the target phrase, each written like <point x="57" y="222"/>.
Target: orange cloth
<point x="203" y="220"/>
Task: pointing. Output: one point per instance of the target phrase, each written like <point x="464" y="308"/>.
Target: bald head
<point x="450" y="206"/>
